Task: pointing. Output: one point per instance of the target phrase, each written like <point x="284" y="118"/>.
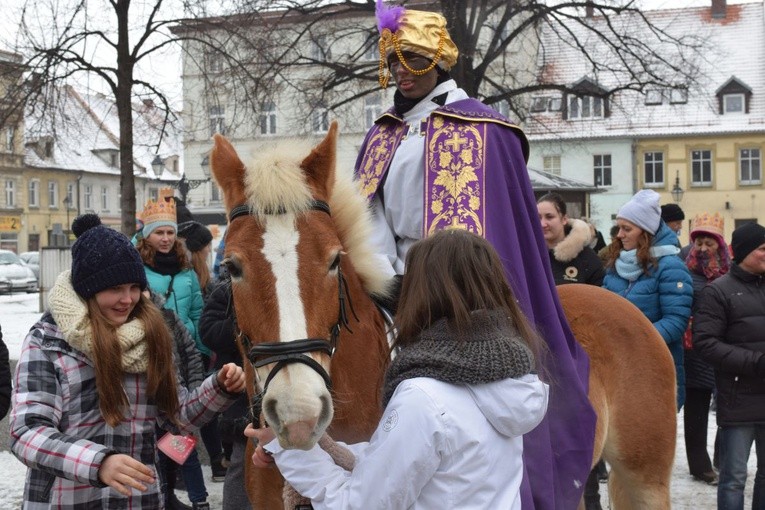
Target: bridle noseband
<point x="294" y="351"/>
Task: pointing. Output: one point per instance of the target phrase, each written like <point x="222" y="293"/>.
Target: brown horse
<point x="302" y="274"/>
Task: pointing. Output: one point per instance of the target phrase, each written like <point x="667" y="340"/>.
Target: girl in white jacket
<point x="458" y="397"/>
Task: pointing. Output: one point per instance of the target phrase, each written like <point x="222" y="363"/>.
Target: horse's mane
<point x="274" y="181"/>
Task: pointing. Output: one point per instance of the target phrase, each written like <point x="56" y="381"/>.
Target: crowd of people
<point x="138" y="338"/>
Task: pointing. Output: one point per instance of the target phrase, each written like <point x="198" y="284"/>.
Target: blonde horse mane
<point x="274" y="181"/>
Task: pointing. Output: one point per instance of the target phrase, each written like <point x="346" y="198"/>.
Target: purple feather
<point x="388" y="17"/>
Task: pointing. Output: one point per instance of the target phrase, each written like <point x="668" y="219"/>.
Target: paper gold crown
<point x="407" y="30"/>
<point x="161" y="210"/>
<point x="705" y="222"/>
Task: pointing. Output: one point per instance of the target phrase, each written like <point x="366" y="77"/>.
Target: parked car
<point x="21" y="277"/>
<point x="32" y="260"/>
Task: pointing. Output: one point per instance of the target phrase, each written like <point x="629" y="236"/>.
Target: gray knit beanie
<point x="643" y="210"/>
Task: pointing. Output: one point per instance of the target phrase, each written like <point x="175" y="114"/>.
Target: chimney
<point x="589" y="10"/>
<point x="718" y="9"/>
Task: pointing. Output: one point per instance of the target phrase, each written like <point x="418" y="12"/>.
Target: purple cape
<point x="476" y="179"/>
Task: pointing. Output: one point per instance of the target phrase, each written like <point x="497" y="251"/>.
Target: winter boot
<point x="218" y="469"/>
<point x="203" y="505"/>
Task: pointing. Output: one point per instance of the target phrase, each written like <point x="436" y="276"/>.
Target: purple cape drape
<point x="558" y="453"/>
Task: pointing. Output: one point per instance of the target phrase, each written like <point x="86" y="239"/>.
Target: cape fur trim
<point x="573" y="244"/>
<point x="71" y="315"/>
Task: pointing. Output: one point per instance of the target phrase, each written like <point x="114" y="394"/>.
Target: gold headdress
<point x="420" y="32"/>
<point x="158" y="214"/>
<point x="705" y="222"/>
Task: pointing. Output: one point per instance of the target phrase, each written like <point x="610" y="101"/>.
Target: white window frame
<point x="104" y="198"/>
<point x="578" y="104"/>
<point x="602" y="169"/>
<point x="217" y="117"/>
<point x="750" y="156"/>
<point x="372" y="109"/>
<point x="267" y="118"/>
<point x="10" y="193"/>
<point x="34" y="193"/>
<point x="153" y="194"/>
<point x="539" y="104"/>
<point x="70" y="194"/>
<point x="10" y="133"/>
<point x="215" y="193"/>
<point x="701" y="162"/>
<point x="551" y="164"/>
<point x="730" y="98"/>
<point x="88" y="197"/>
<point x="650" y="161"/>
<point x="320" y="120"/>
<point x="53" y="194"/>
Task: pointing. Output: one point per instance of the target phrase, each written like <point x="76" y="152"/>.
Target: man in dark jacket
<point x="728" y="333"/>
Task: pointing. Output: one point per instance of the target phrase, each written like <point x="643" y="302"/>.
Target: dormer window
<point x="733" y="103"/>
<point x="678" y="96"/>
<point x="733" y="97"/>
<point x="654" y="97"/>
<point x="587" y="100"/>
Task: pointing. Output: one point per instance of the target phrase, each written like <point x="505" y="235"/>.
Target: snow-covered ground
<point x="19" y="312"/>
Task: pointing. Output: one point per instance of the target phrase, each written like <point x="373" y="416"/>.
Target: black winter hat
<point x="197" y="236"/>
<point x="746" y="239"/>
<point x="671" y="212"/>
<point x="103" y="258"/>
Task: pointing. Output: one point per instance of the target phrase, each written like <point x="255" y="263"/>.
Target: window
<point x="53" y="194"/>
<point x="551" y="164"/>
<point x="653" y="169"/>
<point x="585" y="107"/>
<point x="554" y="104"/>
<point x="267" y="118"/>
<point x="34" y="193"/>
<point x="372" y="109"/>
<point x="88" y="196"/>
<point x="49" y="149"/>
<point x="153" y="194"/>
<point x="10" y="193"/>
<point x="654" y="96"/>
<point x="214" y="62"/>
<point x="701" y="168"/>
<point x="678" y="96"/>
<point x="70" y="195"/>
<point x="215" y="194"/>
<point x="10" y="132"/>
<point x="602" y="169"/>
<point x="372" y="52"/>
<point x="539" y="104"/>
<point x="320" y="120"/>
<point x="114" y="160"/>
<point x="104" y="198"/>
<point x="751" y="167"/>
<point x="217" y="120"/>
<point x="320" y="49"/>
<point x="733" y="103"/>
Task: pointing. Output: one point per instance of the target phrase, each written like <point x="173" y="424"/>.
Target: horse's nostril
<point x="269" y="411"/>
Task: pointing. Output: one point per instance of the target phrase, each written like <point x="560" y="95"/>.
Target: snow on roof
<point x="84" y="131"/>
<point x="735" y="46"/>
<point x="541" y="180"/>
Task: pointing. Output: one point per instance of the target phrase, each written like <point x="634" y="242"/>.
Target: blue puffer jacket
<point x="185" y="299"/>
<point x="665" y="296"/>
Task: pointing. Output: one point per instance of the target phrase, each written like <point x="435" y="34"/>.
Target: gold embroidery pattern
<point x="377" y="157"/>
<point x="455" y="177"/>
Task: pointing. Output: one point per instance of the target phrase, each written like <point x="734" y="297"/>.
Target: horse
<point x="303" y="276"/>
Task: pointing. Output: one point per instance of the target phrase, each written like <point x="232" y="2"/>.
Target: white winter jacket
<point x="439" y="446"/>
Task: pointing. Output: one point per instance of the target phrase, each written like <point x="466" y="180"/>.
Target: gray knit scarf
<point x="491" y="349"/>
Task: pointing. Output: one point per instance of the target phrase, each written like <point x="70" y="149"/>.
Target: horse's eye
<point x="233" y="267"/>
<point x="335" y="262"/>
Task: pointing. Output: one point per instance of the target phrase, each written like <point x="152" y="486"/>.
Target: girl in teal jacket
<point x="643" y="267"/>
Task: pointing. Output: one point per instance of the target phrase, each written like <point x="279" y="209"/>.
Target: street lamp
<point x="184" y="184"/>
<point x="677" y="191"/>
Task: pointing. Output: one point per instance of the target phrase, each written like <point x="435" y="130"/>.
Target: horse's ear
<point x="319" y="165"/>
<point x="228" y="171"/>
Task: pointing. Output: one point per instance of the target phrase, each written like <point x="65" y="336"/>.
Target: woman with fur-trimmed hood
<point x="571" y="258"/>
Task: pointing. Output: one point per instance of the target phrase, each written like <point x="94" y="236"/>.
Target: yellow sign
<point x="10" y="223"/>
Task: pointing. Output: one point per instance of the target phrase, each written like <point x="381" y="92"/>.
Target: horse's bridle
<point x="295" y="351"/>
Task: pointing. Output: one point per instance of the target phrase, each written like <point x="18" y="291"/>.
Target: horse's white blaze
<point x="280" y="241"/>
<point x="297" y="389"/>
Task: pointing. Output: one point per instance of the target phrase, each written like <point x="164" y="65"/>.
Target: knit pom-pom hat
<point x="643" y="210"/>
<point x="102" y="258"/>
<point x="197" y="236"/>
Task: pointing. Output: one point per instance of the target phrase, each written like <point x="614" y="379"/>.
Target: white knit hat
<point x="643" y="210"/>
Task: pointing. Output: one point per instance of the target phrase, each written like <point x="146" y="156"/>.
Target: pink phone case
<point x="177" y="448"/>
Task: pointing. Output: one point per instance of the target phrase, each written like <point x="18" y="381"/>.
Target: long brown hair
<point x="449" y="275"/>
<point x="107" y="360"/>
<point x="148" y="252"/>
<point x="644" y="257"/>
<point x="201" y="268"/>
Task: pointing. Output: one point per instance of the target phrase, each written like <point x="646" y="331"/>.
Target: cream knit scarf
<point x="71" y="315"/>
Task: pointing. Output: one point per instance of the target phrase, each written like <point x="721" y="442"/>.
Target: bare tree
<point x="103" y="42"/>
<point x="505" y="46"/>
